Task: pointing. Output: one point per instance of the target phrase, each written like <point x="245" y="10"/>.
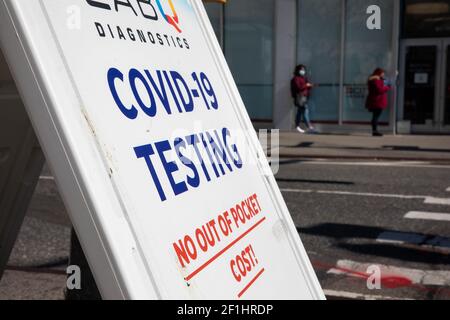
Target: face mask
<point x="302" y="72"/>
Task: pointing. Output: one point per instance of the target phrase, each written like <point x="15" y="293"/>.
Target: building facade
<point x="341" y="42"/>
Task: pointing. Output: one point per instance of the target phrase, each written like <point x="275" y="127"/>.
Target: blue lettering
<point x="170" y="167"/>
<point x="192" y="181"/>
<point x="113" y="74"/>
<point x="149" y="110"/>
<point x="146" y="152"/>
<point x="237" y="161"/>
<point x="162" y="95"/>
<point x="177" y="79"/>
<point x="193" y="141"/>
<point x="211" y="159"/>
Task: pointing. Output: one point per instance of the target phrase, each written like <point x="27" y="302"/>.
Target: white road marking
<point x="357" y="296"/>
<point x="46" y="178"/>
<point x="406" y="164"/>
<point x="416" y="276"/>
<point x="348" y="193"/>
<point x="428" y="216"/>
<point x="427" y="199"/>
<point x="413" y="238"/>
<point x="441" y="201"/>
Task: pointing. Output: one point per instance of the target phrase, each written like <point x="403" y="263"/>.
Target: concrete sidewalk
<point x="365" y="147"/>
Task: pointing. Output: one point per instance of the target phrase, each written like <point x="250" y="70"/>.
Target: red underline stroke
<point x="250" y="283"/>
<point x="207" y="263"/>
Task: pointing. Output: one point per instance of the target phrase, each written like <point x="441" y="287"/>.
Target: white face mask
<point x="302" y="73"/>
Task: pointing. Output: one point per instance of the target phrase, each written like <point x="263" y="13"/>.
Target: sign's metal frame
<point x="88" y="189"/>
<point x="21" y="162"/>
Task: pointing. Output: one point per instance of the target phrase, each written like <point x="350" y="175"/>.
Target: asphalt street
<point x="36" y="267"/>
<point x="351" y="215"/>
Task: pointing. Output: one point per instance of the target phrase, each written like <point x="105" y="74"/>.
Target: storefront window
<point x="319" y="42"/>
<point x="214" y="11"/>
<point x="365" y="50"/>
<point x="248" y="45"/>
<point x="333" y="41"/>
<point x="426" y="18"/>
<point x="322" y="43"/>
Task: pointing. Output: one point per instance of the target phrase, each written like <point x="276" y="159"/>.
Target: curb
<point x="373" y="158"/>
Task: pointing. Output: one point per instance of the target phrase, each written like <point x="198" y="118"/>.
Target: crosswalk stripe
<point x="46" y="178"/>
<point x="440" y="201"/>
<point x="419" y="215"/>
<point x="348" y="193"/>
<point x="357" y="296"/>
<point x="416" y="276"/>
<point x="413" y="238"/>
<point x="402" y="164"/>
<point x="427" y="199"/>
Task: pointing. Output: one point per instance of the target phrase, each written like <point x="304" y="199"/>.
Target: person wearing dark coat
<point x="301" y="90"/>
<point x="377" y="100"/>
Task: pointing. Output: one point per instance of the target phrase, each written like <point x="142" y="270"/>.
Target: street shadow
<point x="413" y="253"/>
<point x="415" y="149"/>
<point x="312" y="145"/>
<point x="304" y="145"/>
<point x="386" y="147"/>
<point x="342" y="231"/>
<point x="398" y="252"/>
<point x="287" y="162"/>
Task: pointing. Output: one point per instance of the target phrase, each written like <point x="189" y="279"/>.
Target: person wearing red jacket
<point x="377" y="100"/>
<point x="301" y="90"/>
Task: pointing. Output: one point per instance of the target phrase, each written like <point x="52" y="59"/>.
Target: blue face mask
<point x="302" y="73"/>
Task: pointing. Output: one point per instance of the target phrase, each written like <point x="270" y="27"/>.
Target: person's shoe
<point x="377" y="134"/>
<point x="312" y="130"/>
<point x="300" y="130"/>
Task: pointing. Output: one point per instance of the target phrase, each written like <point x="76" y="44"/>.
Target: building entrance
<point x="425" y="85"/>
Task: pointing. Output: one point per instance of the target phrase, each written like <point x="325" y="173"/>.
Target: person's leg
<point x="298" y="117"/>
<point x="375" y="118"/>
<point x="374" y="125"/>
<point x="298" y="120"/>
<point x="306" y="118"/>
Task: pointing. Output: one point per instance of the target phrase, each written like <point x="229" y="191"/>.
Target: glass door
<point x="425" y="85"/>
<point x="420" y="84"/>
<point x="445" y="91"/>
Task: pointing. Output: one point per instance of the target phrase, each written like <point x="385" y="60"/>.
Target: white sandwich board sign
<point x="153" y="151"/>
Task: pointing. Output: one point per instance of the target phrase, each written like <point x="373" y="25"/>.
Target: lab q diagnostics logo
<point x="145" y="8"/>
<point x="171" y="19"/>
<point x="163" y="11"/>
